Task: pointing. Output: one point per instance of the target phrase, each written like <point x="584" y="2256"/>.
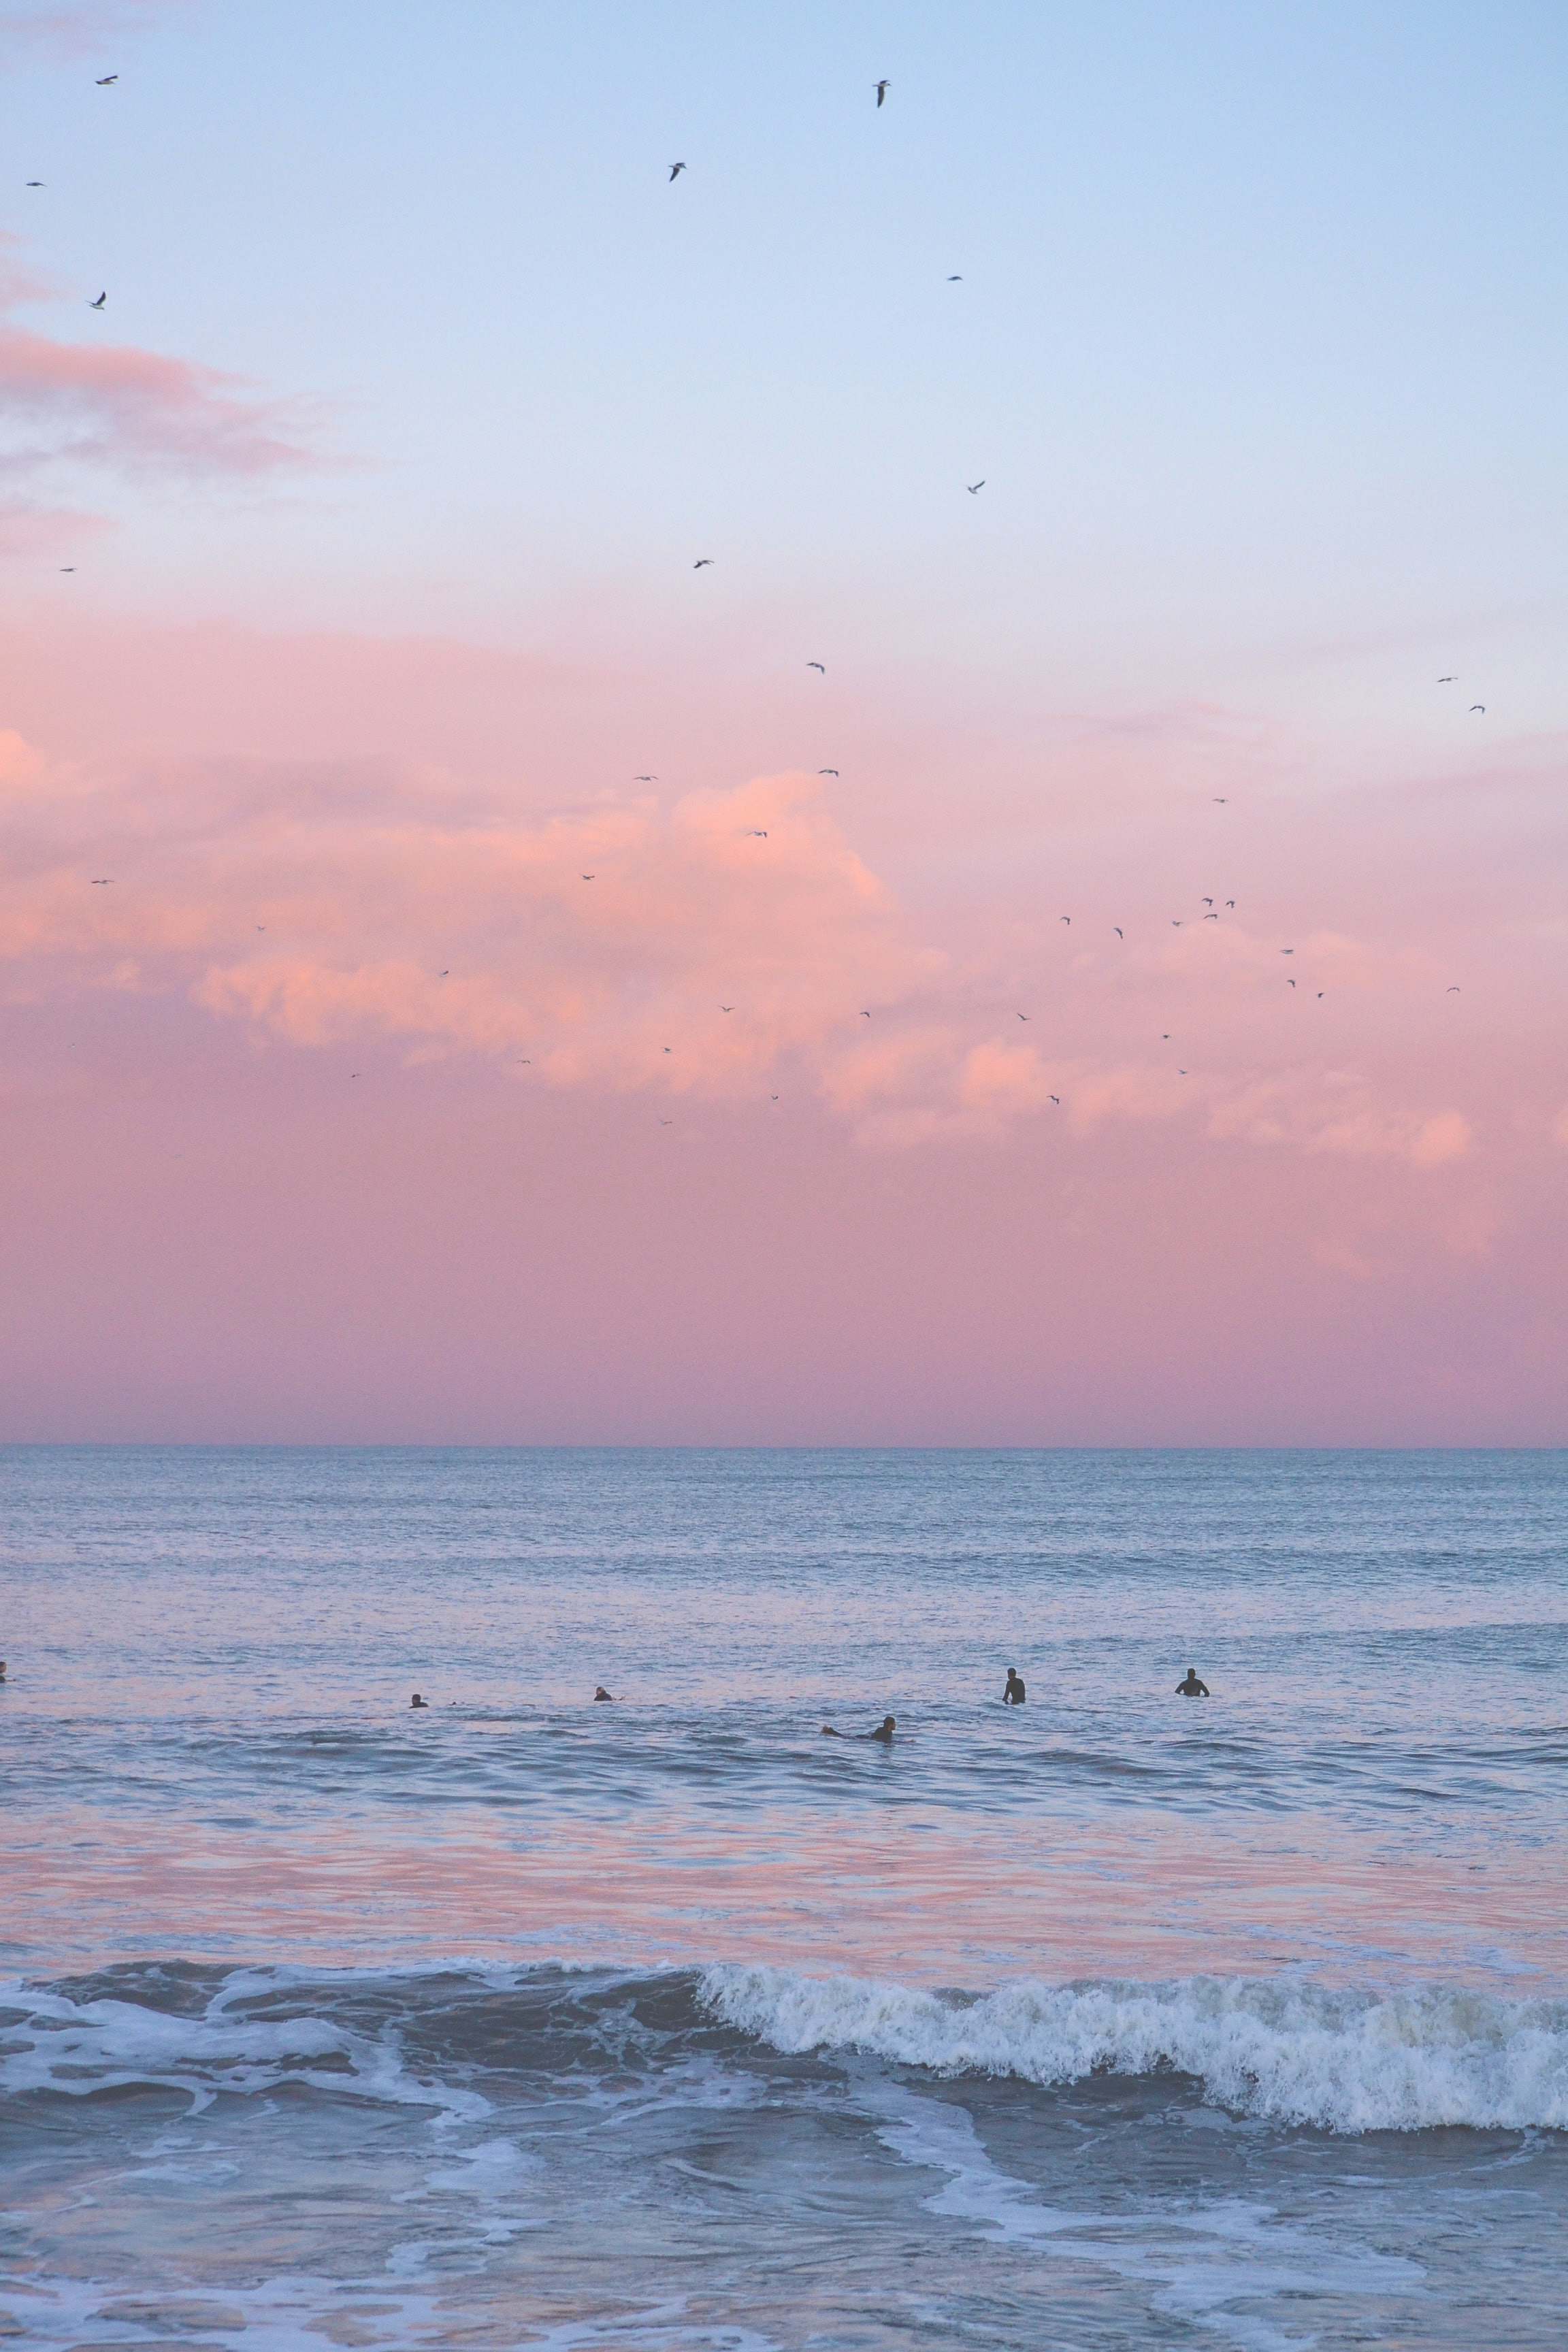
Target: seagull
<point x="700" y="561"/>
<point x="667" y="1049"/>
<point x="525" y="1061"/>
<point x="1451" y="679"/>
<point x="68" y="567"/>
<point x="1175" y="922"/>
<point x="883" y="86"/>
<point x="588" y="877"/>
<point x="975" y="489"/>
<point x="827" y="772"/>
<point x="442" y="976"/>
<point x="1022" y="1016"/>
<point x="1230" y="902"/>
<point x="865" y="1016"/>
<point x="666" y="1122"/>
<point x="756" y="833"/>
<point x="1478" y="706"/>
<point x="956" y="278"/>
<point x="1219" y="800"/>
<point x="100" y="303"/>
<point x="645" y="779"/>
<point x="726" y="1008"/>
<point x="37" y="183"/>
<point x="1064" y="918"/>
<point x="1208" y="902"/>
<point x="105" y="79"/>
<point x="1286" y="950"/>
<point x="1056" y="1099"/>
<point x="676" y="170"/>
<point x="821" y="665"/>
<point x="1453" y="991"/>
<point x="1117" y="930"/>
<point x="102" y="881"/>
<point x="1211" y="919"/>
<point x="1164" y="1036"/>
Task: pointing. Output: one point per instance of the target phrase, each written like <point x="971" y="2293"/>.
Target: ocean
<point x="1114" y="2020"/>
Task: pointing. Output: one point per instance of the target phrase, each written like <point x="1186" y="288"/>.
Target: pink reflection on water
<point x="921" y="1900"/>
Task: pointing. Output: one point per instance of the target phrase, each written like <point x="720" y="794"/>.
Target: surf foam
<point x="1290" y="2052"/>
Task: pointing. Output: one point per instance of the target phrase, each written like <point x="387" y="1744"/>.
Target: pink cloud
<point x="75" y="31"/>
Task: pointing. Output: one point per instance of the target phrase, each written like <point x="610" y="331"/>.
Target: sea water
<point x="1114" y="2020"/>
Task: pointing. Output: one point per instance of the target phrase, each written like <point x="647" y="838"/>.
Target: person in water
<point x="417" y="1701"/>
<point x="600" y="1692"/>
<point x="884" y="1731"/>
<point x="1015" y="1694"/>
<point x="1192" y="1687"/>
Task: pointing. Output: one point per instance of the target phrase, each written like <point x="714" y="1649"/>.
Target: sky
<point x="468" y="976"/>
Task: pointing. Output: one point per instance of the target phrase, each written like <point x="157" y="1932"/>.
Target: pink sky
<point x="273" y="1175"/>
<point x="341" y="1106"/>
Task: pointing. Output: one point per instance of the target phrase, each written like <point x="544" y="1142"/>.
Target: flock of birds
<point x="756" y="833"/>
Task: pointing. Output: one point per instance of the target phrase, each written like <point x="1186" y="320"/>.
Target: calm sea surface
<point x="1115" y="2020"/>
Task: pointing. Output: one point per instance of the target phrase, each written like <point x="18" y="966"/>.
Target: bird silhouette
<point x="645" y="779"/>
<point x="1022" y="1016"/>
<point x="1056" y="1099"/>
<point x="975" y="489"/>
<point x="821" y="665"/>
<point x="1453" y="991"/>
<point x="1219" y="800"/>
<point x="105" y="79"/>
<point x="865" y="1016"/>
<point x="756" y="833"/>
<point x="1478" y="706"/>
<point x="726" y="1008"/>
<point x="956" y="278"/>
<point x="827" y="772"/>
<point x="102" y="881"/>
<point x="676" y="170"/>
<point x="588" y="877"/>
<point x="883" y="86"/>
<point x="1230" y="902"/>
<point x="100" y="303"/>
<point x="1117" y="930"/>
<point x="68" y="567"/>
<point x="1289" y="983"/>
<point x="442" y="976"/>
<point x="1208" y="902"/>
<point x="37" y="183"/>
<point x="700" y="561"/>
<point x="1064" y="918"/>
<point x="1211" y="919"/>
<point x="1451" y="678"/>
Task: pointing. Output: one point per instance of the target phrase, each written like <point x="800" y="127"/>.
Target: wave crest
<point x="1290" y="2052"/>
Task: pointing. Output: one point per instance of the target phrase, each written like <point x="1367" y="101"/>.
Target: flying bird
<point x="1208" y="902"/>
<point x="676" y="170"/>
<point x="645" y="779"/>
<point x="100" y="303"/>
<point x="700" y="561"/>
<point x="1056" y="1099"/>
<point x="1219" y="800"/>
<point x="588" y="877"/>
<point x="667" y="1049"/>
<point x="102" y="881"/>
<point x="821" y="665"/>
<point x="37" y="183"/>
<point x="975" y="489"/>
<point x="883" y="86"/>
<point x="1230" y="902"/>
<point x="442" y="976"/>
<point x="756" y="833"/>
<point x="1453" y="991"/>
<point x="526" y="1061"/>
<point x="1175" y="922"/>
<point x="68" y="567"/>
<point x="1478" y="706"/>
<point x="726" y="1008"/>
<point x="1064" y="918"/>
<point x="956" y="278"/>
<point x="1117" y="930"/>
<point x="865" y="1016"/>
<point x="1286" y="950"/>
<point x="1022" y="1016"/>
<point x="105" y="79"/>
<point x="827" y="772"/>
<point x="666" y="1122"/>
<point x="1451" y="679"/>
<point x="1211" y="919"/>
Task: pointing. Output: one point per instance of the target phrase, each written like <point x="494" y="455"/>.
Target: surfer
<point x="601" y="1692"/>
<point x="1014" y="1693"/>
<point x="417" y="1701"/>
<point x="1192" y="1687"/>
<point x="884" y="1731"/>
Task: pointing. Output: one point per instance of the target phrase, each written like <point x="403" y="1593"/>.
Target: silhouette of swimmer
<point x="884" y="1731"/>
<point x="600" y="1692"/>
<point x="1192" y="1687"/>
<point x="1015" y="1694"/>
<point x="417" y="1701"/>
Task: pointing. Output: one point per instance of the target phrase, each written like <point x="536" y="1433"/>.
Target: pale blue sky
<point x="1259" y="346"/>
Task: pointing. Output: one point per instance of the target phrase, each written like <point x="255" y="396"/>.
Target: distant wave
<point x="1292" y="2053"/>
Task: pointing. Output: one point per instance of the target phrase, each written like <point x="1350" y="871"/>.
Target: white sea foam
<point x="1288" y="2050"/>
<point x="51" y="2043"/>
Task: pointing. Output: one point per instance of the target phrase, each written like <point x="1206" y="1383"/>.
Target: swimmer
<point x="1192" y="1687"/>
<point x="417" y="1701"/>
<point x="1015" y="1694"/>
<point x="884" y="1731"/>
<point x="601" y="1692"/>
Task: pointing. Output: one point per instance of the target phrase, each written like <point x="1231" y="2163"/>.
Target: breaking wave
<point x="1292" y="2053"/>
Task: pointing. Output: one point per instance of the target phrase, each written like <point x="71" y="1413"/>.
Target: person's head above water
<point x="887" y="1727"/>
<point x="417" y="1701"/>
<point x="600" y="1692"/>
